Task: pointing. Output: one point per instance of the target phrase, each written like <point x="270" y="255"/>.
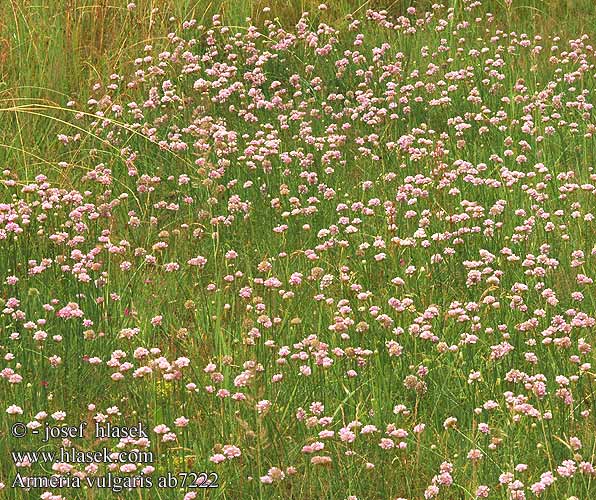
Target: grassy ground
<point x="349" y="254"/>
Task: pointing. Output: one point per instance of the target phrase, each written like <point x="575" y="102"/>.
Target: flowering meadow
<point x="342" y="251"/>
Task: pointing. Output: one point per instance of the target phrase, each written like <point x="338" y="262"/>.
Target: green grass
<point x="52" y="52"/>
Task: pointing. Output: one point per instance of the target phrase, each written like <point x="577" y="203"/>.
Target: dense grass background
<point x="54" y="51"/>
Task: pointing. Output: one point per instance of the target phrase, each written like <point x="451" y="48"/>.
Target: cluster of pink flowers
<point x="335" y="252"/>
